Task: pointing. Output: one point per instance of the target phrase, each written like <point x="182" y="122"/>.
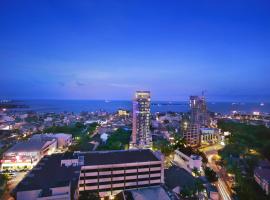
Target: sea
<point x="78" y="106"/>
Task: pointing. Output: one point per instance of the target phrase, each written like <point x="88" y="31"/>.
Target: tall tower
<point x="141" y="135"/>
<point x="198" y="110"/>
<point x="198" y="119"/>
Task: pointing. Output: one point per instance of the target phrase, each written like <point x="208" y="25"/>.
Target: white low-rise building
<point x="262" y="175"/>
<point x="209" y="135"/>
<point x="189" y="163"/>
<point x="26" y="154"/>
<point x="63" y="139"/>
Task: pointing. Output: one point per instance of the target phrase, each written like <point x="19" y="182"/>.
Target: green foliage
<point x="86" y="195"/>
<point x="248" y="136"/>
<point x="186" y="192"/>
<point x="210" y="175"/>
<point x="91" y="128"/>
<point x="79" y="125"/>
<point x="31" y="119"/>
<point x="192" y="191"/>
<point x="3" y="183"/>
<point x="163" y="146"/>
<point x="85" y="137"/>
<point x="79" y="131"/>
<point x="247" y="189"/>
<point x="75" y="130"/>
<point x="179" y="144"/>
<point x="237" y="155"/>
<point x="117" y="141"/>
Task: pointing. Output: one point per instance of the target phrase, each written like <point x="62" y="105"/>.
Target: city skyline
<point x="134" y="99"/>
<point x="108" y="50"/>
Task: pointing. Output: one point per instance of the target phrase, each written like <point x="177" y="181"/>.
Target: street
<point x="222" y="185"/>
<point x="12" y="183"/>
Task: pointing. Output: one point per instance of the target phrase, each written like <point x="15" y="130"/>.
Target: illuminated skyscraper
<point x="198" y="118"/>
<point x="198" y="110"/>
<point x="141" y="135"/>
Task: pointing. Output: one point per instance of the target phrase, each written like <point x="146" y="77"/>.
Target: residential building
<point x="198" y="118"/>
<point x="262" y="175"/>
<point x="63" y="139"/>
<point x="122" y="113"/>
<point x="141" y="135"/>
<point x="192" y="135"/>
<point x="188" y="162"/>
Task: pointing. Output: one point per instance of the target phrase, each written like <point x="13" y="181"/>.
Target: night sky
<point x="99" y="49"/>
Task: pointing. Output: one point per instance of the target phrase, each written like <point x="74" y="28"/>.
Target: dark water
<point x="157" y="106"/>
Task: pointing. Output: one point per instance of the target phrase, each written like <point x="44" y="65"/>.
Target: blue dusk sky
<point x="97" y="49"/>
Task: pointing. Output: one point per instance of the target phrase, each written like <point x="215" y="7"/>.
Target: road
<point x="12" y="183"/>
<point x="223" y="188"/>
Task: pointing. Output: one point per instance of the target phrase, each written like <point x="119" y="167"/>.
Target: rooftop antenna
<point x="203" y="92"/>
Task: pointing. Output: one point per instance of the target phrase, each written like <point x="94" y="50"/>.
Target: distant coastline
<point x="12" y="104"/>
<point x="77" y="106"/>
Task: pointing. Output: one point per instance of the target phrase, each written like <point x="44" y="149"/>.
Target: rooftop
<point x="27" y="146"/>
<point x="176" y="176"/>
<point x="50" y="135"/>
<point x="263" y="173"/>
<point x="118" y="157"/>
<point x="156" y="192"/>
<point x="263" y="170"/>
<point x="49" y="174"/>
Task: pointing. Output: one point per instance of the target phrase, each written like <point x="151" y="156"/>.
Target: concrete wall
<point x="28" y="195"/>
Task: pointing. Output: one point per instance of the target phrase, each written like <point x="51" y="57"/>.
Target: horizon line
<point x="153" y="100"/>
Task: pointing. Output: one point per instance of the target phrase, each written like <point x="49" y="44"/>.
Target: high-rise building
<point x="198" y="119"/>
<point x="192" y="134"/>
<point x="198" y="110"/>
<point x="141" y="135"/>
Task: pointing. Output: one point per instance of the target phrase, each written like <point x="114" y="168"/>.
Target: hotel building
<point x="111" y="172"/>
<point x="141" y="135"/>
<point x="105" y="172"/>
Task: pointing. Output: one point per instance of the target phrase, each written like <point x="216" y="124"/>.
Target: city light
<point x="153" y="100"/>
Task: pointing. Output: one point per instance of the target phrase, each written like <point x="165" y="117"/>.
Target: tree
<point x="86" y="195"/>
<point x="196" y="172"/>
<point x="210" y="175"/>
<point x="186" y="192"/>
<point x="198" y="186"/>
<point x="79" y="125"/>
